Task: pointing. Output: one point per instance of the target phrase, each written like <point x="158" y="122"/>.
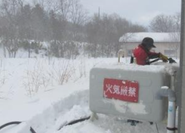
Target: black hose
<point x="153" y="61"/>
<point x="10" y="123"/>
<point x="15" y="122"/>
<point x="157" y="128"/>
<point x="75" y="121"/>
<point x="32" y="130"/>
<point x="79" y="120"/>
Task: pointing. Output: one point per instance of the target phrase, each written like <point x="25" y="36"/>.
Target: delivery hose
<point x="74" y="122"/>
<point x="13" y="123"/>
<point x="33" y="131"/>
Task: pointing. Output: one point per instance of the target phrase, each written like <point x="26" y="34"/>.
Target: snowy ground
<point x="46" y="94"/>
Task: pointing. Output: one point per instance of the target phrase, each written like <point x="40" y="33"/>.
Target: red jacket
<point x="142" y="55"/>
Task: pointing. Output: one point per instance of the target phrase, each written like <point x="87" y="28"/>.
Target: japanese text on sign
<point x="121" y="89"/>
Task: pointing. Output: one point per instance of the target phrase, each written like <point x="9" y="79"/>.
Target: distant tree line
<point x="166" y="23"/>
<point x="64" y="25"/>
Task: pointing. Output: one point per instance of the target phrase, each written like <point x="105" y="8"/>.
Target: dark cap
<point x="148" y="42"/>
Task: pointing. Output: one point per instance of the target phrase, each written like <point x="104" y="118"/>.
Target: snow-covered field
<point x="48" y="93"/>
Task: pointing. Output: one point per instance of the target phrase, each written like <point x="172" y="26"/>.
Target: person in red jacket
<point x="142" y="53"/>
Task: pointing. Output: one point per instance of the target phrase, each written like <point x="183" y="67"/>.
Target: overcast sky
<point x="137" y="11"/>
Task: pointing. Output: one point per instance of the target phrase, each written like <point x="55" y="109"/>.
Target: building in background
<point x="166" y="43"/>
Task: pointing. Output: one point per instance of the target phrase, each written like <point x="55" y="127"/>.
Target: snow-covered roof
<point x="157" y="36"/>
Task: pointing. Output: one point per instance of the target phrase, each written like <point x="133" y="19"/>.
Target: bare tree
<point x="10" y="8"/>
<point x="104" y="32"/>
<point x="78" y="17"/>
<point x="177" y="22"/>
<point x="24" y="23"/>
<point x="164" y="23"/>
<point x="52" y="5"/>
<point x="39" y="23"/>
<point x="64" y="8"/>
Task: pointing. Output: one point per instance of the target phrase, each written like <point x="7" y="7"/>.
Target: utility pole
<point x="181" y="126"/>
<point x="99" y="12"/>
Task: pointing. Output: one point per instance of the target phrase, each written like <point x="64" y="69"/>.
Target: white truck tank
<point x="129" y="91"/>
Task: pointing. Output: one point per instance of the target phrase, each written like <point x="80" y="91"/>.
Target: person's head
<point x="148" y="43"/>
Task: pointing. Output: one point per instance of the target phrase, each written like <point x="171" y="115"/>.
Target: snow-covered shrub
<point x="2" y="82"/>
<point x="36" y="78"/>
<point x="82" y="68"/>
<point x="45" y="74"/>
<point x="62" y="70"/>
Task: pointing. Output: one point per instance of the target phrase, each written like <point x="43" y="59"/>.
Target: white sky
<point x="137" y="11"/>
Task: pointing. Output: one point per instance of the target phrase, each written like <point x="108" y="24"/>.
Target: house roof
<point x="157" y="36"/>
